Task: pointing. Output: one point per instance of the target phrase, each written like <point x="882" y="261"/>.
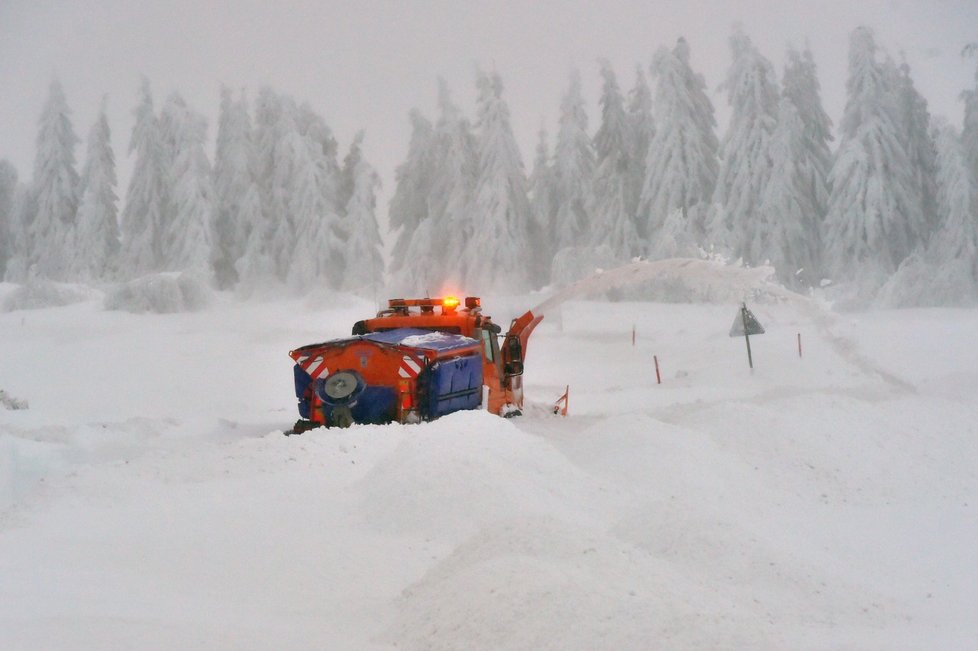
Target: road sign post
<point x="745" y="323"/>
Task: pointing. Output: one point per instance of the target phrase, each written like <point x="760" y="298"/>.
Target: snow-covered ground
<point x="149" y="500"/>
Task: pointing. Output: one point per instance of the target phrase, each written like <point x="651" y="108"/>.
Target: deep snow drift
<point x="149" y="500"/>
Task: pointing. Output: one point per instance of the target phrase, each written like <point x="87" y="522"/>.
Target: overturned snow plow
<point x="415" y="361"/>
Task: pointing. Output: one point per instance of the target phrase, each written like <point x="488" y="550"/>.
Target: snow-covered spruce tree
<point x="433" y="259"/>
<point x="97" y="232"/>
<point x="641" y="126"/>
<point x="55" y="188"/>
<point x="745" y="166"/>
<point x="787" y="206"/>
<point x="322" y="234"/>
<point x="573" y="170"/>
<point x="234" y="164"/>
<point x="280" y="143"/>
<point x="945" y="272"/>
<point x="186" y="236"/>
<point x="22" y="210"/>
<point x="267" y="133"/>
<point x="969" y="135"/>
<point x="498" y="248"/>
<point x="365" y="265"/>
<point x="813" y="162"/>
<point x="142" y="216"/>
<point x="315" y="257"/>
<point x="613" y="224"/>
<point x="541" y="188"/>
<point x="681" y="168"/>
<point x="8" y="187"/>
<point x="868" y="225"/>
<point x="955" y="246"/>
<point x="256" y="266"/>
<point x="409" y="205"/>
<point x="921" y="151"/>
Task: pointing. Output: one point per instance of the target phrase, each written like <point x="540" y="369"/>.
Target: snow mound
<point x="161" y="293"/>
<point x="39" y="294"/>
<point x="920" y="283"/>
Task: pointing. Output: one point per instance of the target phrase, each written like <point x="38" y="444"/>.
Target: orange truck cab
<point x="417" y="360"/>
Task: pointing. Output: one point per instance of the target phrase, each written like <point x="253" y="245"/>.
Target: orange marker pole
<point x="658" y="376"/>
<point x="799" y="344"/>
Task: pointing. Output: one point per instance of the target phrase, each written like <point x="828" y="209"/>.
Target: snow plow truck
<point x="417" y="360"/>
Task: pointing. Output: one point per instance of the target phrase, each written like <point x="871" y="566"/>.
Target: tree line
<point x="889" y="213"/>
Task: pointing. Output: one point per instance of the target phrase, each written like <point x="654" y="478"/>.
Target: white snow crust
<point x="421" y="341"/>
<point x="148" y="498"/>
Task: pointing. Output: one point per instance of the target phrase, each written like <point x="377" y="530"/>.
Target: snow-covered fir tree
<point x="97" y="233"/>
<point x="365" y="265"/>
<point x="869" y="228"/>
<point x="320" y="234"/>
<point x="800" y="84"/>
<point x="267" y="133"/>
<point x="22" y="210"/>
<point x="921" y="152"/>
<point x="613" y="223"/>
<point x="945" y="272"/>
<point x="498" y="247"/>
<point x="314" y="256"/>
<point x="234" y="164"/>
<point x="787" y="207"/>
<point x="541" y="188"/>
<point x="256" y="266"/>
<point x="55" y="187"/>
<point x="955" y="245"/>
<point x="745" y="165"/>
<point x="641" y="126"/>
<point x="186" y="233"/>
<point x="573" y="170"/>
<point x="969" y="134"/>
<point x="409" y="205"/>
<point x="681" y="167"/>
<point x="433" y="259"/>
<point x="142" y="216"/>
<point x="8" y="188"/>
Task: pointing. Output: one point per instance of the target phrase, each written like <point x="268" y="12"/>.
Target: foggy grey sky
<point x="365" y="64"/>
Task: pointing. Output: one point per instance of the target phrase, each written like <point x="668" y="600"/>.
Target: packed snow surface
<point x="148" y="498"/>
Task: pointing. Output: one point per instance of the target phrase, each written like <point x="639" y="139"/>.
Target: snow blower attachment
<point x="415" y="361"/>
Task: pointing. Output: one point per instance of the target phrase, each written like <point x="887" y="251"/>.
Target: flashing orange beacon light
<point x="449" y="303"/>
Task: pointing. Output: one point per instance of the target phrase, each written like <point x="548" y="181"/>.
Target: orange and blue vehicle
<point x="417" y="360"/>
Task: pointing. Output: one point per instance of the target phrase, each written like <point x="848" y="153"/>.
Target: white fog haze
<point x="364" y="65"/>
<point x="193" y="191"/>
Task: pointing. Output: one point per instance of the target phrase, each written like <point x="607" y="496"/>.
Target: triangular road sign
<point x="745" y="323"/>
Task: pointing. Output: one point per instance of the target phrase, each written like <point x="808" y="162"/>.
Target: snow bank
<point x="821" y="502"/>
<point x="40" y="294"/>
<point x="161" y="293"/>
